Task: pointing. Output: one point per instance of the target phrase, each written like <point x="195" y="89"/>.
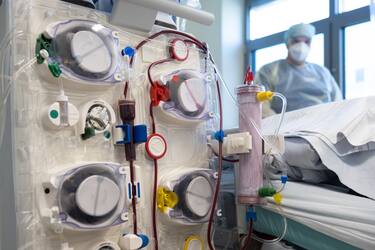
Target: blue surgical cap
<point x="301" y="29"/>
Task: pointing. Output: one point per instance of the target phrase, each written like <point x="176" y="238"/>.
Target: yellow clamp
<point x="194" y="242"/>
<point x="264" y="96"/>
<point x="277" y="198"/>
<point x="166" y="199"/>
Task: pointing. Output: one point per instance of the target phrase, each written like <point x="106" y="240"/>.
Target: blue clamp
<point x="126" y="130"/>
<point x="145" y="240"/>
<point x="140" y="133"/>
<point x="128" y="51"/>
<point x="219" y="135"/>
<point x="284" y="179"/>
<point x="136" y="189"/>
<point x="251" y="215"/>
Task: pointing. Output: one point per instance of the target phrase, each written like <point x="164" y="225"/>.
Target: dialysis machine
<point x="107" y="131"/>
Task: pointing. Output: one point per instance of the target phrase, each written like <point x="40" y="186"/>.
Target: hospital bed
<point x="329" y="198"/>
<point x="319" y="216"/>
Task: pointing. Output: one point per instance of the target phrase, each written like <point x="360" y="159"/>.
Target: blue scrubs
<point x="303" y="86"/>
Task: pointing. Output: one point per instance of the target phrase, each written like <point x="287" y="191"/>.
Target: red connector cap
<point x="159" y="93"/>
<point x="249" y="77"/>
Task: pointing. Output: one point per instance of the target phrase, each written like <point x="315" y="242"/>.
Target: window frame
<point x="332" y="27"/>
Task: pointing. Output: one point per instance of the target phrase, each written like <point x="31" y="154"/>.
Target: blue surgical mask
<point x="299" y="51"/>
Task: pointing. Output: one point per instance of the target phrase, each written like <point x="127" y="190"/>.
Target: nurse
<point x="303" y="84"/>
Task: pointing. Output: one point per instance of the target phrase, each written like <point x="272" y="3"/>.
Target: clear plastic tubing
<point x="64" y="111"/>
<point x="62" y="99"/>
<point x="283" y="110"/>
<point x="251" y="168"/>
<point x="250" y="121"/>
<point x="282" y="235"/>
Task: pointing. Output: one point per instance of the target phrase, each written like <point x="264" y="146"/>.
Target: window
<point x="348" y="5"/>
<point x="279" y="51"/>
<point x="269" y="54"/>
<point x="359" y="66"/>
<point x="285" y="13"/>
<point x="342" y="43"/>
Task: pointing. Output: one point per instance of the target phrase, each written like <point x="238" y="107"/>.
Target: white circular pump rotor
<point x="192" y="94"/>
<point x="89" y="50"/>
<point x="97" y="195"/>
<point x="198" y="196"/>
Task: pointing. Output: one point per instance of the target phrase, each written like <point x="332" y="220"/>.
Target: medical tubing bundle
<point x="192" y="40"/>
<point x="265" y="141"/>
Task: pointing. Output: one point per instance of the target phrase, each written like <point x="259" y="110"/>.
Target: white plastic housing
<point x="130" y="242"/>
<point x="189" y="97"/>
<point x="108" y="113"/>
<point x="194" y="189"/>
<point x="86" y="51"/>
<point x="233" y="144"/>
<point x="52" y="115"/>
<point x="39" y="152"/>
<point x="125" y="13"/>
<point x="77" y="198"/>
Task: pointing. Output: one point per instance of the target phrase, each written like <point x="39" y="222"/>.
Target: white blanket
<point x="343" y="216"/>
<point x="342" y="133"/>
<point x="350" y="119"/>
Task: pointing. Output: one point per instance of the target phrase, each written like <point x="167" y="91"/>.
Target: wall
<point x="226" y="39"/>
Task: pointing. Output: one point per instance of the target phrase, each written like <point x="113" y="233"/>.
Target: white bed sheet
<point x="346" y="217"/>
<point x="353" y="119"/>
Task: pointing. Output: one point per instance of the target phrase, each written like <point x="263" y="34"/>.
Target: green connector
<point x="54" y="68"/>
<point x="266" y="192"/>
<point x="89" y="132"/>
<point x="42" y="43"/>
